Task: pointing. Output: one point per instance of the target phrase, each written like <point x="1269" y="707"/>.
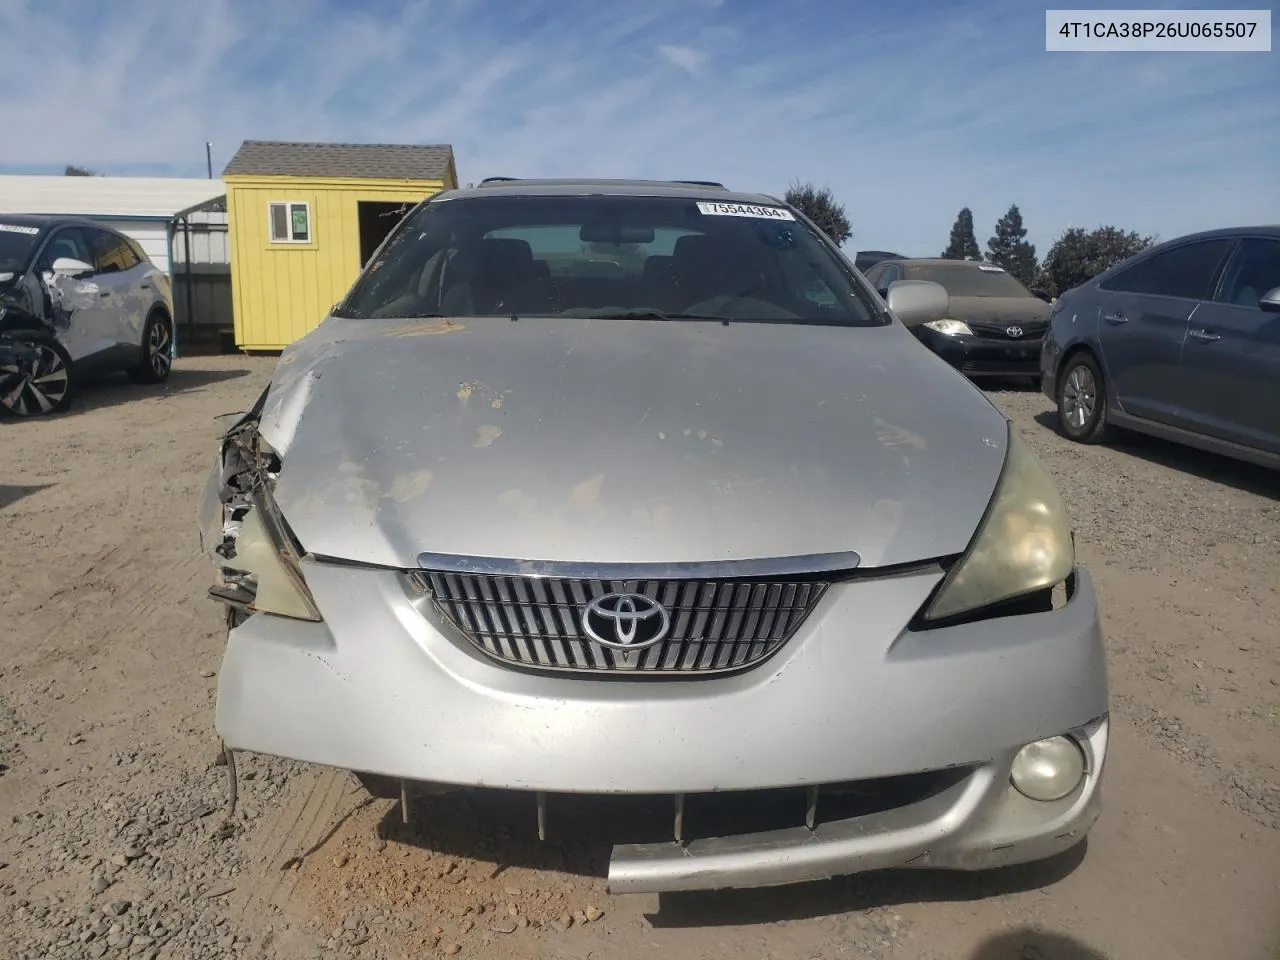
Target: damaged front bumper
<point x="377" y="687"/>
<point x="882" y="746"/>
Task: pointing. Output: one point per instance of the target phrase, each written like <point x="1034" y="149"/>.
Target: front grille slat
<point x="1031" y="329"/>
<point x="715" y="625"/>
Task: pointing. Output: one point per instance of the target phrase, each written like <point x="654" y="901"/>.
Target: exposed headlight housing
<point x="951" y="328"/>
<point x="265" y="549"/>
<point x="1022" y="545"/>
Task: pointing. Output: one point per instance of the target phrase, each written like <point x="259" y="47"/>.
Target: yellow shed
<point x="303" y="218"/>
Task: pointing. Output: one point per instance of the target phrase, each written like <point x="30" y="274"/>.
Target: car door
<point x="120" y="272"/>
<point x="1142" y="323"/>
<point x="1231" y="362"/>
<point x="72" y="302"/>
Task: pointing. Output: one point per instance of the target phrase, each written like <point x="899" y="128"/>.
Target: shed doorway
<point x="376" y="219"/>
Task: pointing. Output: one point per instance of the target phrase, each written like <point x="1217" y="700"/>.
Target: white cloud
<point x="905" y="124"/>
<point x="685" y="57"/>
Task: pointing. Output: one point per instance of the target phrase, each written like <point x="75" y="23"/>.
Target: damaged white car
<point x="599" y="488"/>
<point x="77" y="299"/>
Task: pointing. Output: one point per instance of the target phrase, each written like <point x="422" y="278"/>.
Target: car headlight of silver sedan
<point x="264" y="548"/>
<point x="245" y="534"/>
<point x="1023" y="544"/>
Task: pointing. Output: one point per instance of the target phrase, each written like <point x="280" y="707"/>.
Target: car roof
<point x="1266" y="230"/>
<point x="677" y="189"/>
<point x="945" y="261"/>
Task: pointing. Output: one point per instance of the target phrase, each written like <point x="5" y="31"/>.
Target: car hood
<point x="627" y="441"/>
<point x="998" y="309"/>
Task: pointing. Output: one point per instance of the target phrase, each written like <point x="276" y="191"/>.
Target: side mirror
<point x="1269" y="302"/>
<point x="70" y="267"/>
<point x="917" y="302"/>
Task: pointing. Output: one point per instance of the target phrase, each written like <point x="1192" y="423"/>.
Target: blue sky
<point x="907" y="111"/>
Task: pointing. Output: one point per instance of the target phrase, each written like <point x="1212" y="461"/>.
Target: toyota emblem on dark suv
<point x="625" y="621"/>
<point x="1013" y="332"/>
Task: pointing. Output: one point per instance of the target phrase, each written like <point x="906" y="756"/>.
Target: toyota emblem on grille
<point x="625" y="621"/>
<point x="1014" y="332"/>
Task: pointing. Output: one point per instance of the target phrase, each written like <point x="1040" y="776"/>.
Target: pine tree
<point x="1010" y="250"/>
<point x="963" y="245"/>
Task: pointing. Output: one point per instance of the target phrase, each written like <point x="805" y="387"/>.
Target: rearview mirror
<point x="917" y="302"/>
<point x="70" y="267"/>
<point x="1269" y="302"/>
<point x="607" y="232"/>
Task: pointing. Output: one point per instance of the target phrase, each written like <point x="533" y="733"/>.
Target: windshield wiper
<point x="648" y="314"/>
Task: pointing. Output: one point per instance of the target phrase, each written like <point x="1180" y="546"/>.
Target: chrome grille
<point x="716" y="625"/>
<point x="1031" y="329"/>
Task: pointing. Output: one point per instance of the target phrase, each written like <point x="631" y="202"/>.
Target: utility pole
<point x="208" y="156"/>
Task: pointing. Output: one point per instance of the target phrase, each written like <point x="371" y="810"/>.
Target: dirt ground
<point x="113" y="840"/>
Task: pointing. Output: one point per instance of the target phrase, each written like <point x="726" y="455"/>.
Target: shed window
<point x="290" y="222"/>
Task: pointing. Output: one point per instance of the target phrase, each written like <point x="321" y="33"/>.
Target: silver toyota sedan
<point x="601" y="488"/>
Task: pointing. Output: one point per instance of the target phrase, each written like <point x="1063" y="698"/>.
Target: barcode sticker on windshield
<point x="18" y="228"/>
<point x="744" y="210"/>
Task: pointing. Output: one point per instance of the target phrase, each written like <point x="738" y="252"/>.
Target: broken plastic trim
<point x="272" y="557"/>
<point x="249" y="471"/>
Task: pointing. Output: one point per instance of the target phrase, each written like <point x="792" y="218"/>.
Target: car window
<point x="136" y="247"/>
<point x="608" y="256"/>
<point x="887" y="276"/>
<point x="67" y="242"/>
<point x="16" y="241"/>
<point x="967" y="279"/>
<point x="1187" y="271"/>
<point x="111" y="252"/>
<point x="1254" y="269"/>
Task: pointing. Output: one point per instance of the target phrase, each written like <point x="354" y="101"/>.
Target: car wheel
<point x="39" y="385"/>
<point x="157" y="347"/>
<point x="1082" y="400"/>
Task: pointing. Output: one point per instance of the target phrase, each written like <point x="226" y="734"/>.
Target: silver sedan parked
<point x="1181" y="341"/>
<point x="607" y="489"/>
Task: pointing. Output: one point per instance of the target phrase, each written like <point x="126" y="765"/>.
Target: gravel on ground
<point x="115" y="840"/>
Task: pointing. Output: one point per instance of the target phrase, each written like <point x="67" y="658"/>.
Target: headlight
<point x="1023" y="543"/>
<point x="952" y="328"/>
<point x="265" y="549"/>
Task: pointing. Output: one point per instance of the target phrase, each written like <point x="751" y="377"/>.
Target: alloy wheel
<point x="158" y="349"/>
<point x="35" y="388"/>
<point x="1080" y="397"/>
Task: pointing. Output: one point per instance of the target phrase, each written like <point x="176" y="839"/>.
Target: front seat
<point x="706" y="268"/>
<point x="506" y="279"/>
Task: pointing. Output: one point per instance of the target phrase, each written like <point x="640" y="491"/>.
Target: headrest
<point x="659" y="267"/>
<point x="716" y="265"/>
<point x="696" y="250"/>
<point x="506" y="255"/>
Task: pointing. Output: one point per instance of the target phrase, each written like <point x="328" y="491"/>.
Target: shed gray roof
<point x="373" y="161"/>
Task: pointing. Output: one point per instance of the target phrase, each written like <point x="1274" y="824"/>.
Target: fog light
<point x="1048" y="769"/>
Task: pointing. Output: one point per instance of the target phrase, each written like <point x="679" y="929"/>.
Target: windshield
<point x="16" y="241"/>
<point x="969" y="279"/>
<point x="641" y="257"/>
